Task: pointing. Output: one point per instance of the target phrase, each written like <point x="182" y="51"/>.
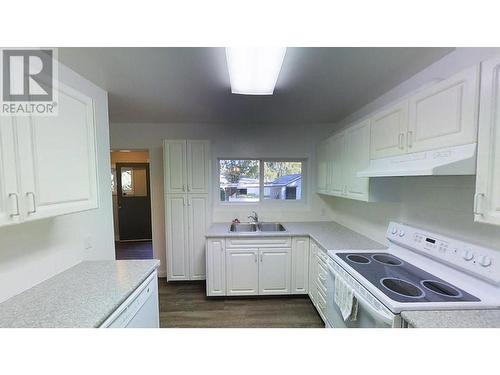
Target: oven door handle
<point x="385" y="317"/>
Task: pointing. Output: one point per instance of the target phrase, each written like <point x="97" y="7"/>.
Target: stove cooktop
<point x="402" y="281"/>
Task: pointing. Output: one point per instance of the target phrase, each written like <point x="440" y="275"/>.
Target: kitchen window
<point x="255" y="180"/>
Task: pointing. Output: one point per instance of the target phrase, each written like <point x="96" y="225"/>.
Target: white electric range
<point x="419" y="270"/>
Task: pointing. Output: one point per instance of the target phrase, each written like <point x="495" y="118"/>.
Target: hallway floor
<point x="185" y="305"/>
<point x="134" y="250"/>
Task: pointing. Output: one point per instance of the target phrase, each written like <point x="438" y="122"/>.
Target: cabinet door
<point x="300" y="265"/>
<point x="216" y="267"/>
<point x="58" y="158"/>
<point x="357" y="158"/>
<point x="10" y="209"/>
<point x="174" y="166"/>
<point x="176" y="223"/>
<point x="312" y="270"/>
<point x="322" y="167"/>
<point x="198" y="165"/>
<point x="388" y="131"/>
<point x="487" y="198"/>
<point x="242" y="272"/>
<point x="198" y="224"/>
<point x="274" y="271"/>
<point x="445" y="114"/>
<point x="336" y="164"/>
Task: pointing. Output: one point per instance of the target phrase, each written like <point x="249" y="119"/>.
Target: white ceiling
<point x="191" y="85"/>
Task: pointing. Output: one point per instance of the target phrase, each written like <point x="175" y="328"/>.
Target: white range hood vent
<point x="458" y="160"/>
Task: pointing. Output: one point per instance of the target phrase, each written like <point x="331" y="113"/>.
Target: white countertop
<point x="82" y="296"/>
<point x="329" y="235"/>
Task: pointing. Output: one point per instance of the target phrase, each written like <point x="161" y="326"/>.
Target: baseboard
<point x="162" y="274"/>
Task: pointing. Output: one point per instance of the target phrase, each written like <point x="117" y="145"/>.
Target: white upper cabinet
<point x="322" y="173"/>
<point x="198" y="163"/>
<point x="388" y="131"/>
<point x="48" y="163"/>
<point x="10" y="207"/>
<point x="187" y="165"/>
<point x="487" y="198"/>
<point x="336" y="164"/>
<point x="174" y="155"/>
<point x="445" y="114"/>
<point x="357" y="157"/>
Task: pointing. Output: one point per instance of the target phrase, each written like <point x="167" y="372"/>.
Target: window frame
<point x="262" y="201"/>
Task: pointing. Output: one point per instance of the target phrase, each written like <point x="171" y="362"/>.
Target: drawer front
<point x="321" y="304"/>
<point x="321" y="279"/>
<point x="260" y="242"/>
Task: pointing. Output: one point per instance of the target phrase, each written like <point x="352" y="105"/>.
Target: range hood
<point x="458" y="160"/>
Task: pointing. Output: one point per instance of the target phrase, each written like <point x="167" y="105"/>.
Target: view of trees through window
<point x="240" y="180"/>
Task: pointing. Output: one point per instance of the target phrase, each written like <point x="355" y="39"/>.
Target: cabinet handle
<point x="189" y="188"/>
<point x="183" y="187"/>
<point x="401" y="141"/>
<point x="34" y="202"/>
<point x="476" y="205"/>
<point x="255" y="257"/>
<point x="409" y="138"/>
<point x="261" y="257"/>
<point x="16" y="197"/>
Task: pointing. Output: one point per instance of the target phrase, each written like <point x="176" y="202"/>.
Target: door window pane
<point x="134" y="182"/>
<point x="283" y="180"/>
<point x="239" y="180"/>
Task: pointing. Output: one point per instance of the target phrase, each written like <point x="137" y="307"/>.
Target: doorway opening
<point x="130" y="181"/>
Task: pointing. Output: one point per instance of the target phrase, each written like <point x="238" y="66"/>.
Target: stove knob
<point x="394" y="230"/>
<point x="468" y="255"/>
<point x="401" y="233"/>
<point x="484" y="261"/>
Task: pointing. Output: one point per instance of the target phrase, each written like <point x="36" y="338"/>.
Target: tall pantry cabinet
<point x="187" y="175"/>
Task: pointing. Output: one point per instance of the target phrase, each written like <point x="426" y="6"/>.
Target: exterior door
<point x="300" y="265"/>
<point x="487" y="198"/>
<point x="216" y="266"/>
<point x="10" y="205"/>
<point x="198" y="224"/>
<point x="357" y="158"/>
<point x="134" y="201"/>
<point x="176" y="218"/>
<point x="198" y="165"/>
<point x="275" y="271"/>
<point x="58" y="158"/>
<point x="388" y="131"/>
<point x="242" y="272"/>
<point x="336" y="164"/>
<point x="445" y="114"/>
<point x="174" y="159"/>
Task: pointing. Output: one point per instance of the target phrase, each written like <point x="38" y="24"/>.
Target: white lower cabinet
<point x="258" y="266"/>
<point x="487" y="198"/>
<point x="317" y="278"/>
<point x="274" y="271"/>
<point x="242" y="272"/>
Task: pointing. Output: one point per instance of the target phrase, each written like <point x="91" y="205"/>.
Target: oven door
<point x="371" y="314"/>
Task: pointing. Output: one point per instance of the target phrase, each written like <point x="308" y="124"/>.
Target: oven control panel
<point x="480" y="261"/>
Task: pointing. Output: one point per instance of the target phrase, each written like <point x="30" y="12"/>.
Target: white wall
<point x="226" y="141"/>
<point x="442" y="204"/>
<point x="33" y="252"/>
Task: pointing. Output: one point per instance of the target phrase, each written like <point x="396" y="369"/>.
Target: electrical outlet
<point x="87" y="243"/>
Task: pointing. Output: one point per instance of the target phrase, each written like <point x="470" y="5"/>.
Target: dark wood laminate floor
<point x="185" y="305"/>
<point x="134" y="250"/>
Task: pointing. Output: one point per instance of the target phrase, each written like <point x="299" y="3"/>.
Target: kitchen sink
<point x="271" y="227"/>
<point x="243" y="227"/>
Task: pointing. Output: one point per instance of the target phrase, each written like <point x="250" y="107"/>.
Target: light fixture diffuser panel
<point x="254" y="70"/>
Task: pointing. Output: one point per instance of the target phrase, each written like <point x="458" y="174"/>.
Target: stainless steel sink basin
<point x="243" y="227"/>
<point x="271" y="227"/>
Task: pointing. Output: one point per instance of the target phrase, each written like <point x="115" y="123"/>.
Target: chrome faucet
<point x="254" y="217"/>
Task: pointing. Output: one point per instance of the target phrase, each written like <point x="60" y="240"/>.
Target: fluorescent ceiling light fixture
<point x="254" y="70"/>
